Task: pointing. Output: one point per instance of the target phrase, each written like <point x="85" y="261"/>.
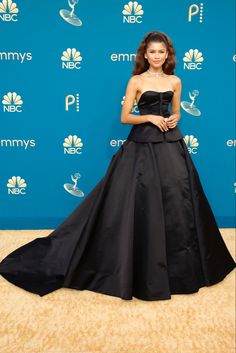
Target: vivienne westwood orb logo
<point x="193" y="60"/>
<point x="12" y="103"/>
<point x="73" y="145"/>
<point x="71" y="59"/>
<point x="132" y="12"/>
<point x="16" y="185"/>
<point x="192" y="143"/>
<point x="8" y="11"/>
<point x="70" y="16"/>
<point x="73" y="188"/>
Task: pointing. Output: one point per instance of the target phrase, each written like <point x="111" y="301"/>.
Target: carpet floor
<point x="72" y="321"/>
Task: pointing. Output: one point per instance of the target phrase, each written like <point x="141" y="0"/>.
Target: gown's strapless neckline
<point x="155" y="103"/>
<point x="150" y="90"/>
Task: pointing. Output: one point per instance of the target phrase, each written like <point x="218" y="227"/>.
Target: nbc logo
<point x="8" y="11"/>
<point x="191" y="143"/>
<point x="16" y="185"/>
<point x="72" y="145"/>
<point x="132" y="12"/>
<point x="71" y="59"/>
<point x="193" y="60"/>
<point x="12" y="103"/>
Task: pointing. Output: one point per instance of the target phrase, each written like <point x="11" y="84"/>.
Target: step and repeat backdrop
<point x="64" y="70"/>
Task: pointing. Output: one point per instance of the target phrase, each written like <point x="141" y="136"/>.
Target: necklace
<point x="157" y="74"/>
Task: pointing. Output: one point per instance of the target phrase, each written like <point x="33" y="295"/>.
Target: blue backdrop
<point x="64" y="70"/>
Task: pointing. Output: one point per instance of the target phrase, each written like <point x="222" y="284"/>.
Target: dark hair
<point x="141" y="63"/>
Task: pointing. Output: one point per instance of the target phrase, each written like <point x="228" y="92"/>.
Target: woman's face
<point x="156" y="54"/>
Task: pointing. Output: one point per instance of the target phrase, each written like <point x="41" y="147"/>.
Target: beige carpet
<point x="72" y="321"/>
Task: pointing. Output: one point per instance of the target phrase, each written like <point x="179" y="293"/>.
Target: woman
<point x="146" y="229"/>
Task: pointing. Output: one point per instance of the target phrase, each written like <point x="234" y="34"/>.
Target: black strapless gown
<point x="146" y="230"/>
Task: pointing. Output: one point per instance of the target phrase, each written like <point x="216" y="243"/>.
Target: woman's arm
<point x="126" y="117"/>
<point x="175" y="103"/>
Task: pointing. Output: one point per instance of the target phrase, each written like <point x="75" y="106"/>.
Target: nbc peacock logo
<point x="8" y="11"/>
<point x="72" y="145"/>
<point x="12" y="103"/>
<point x="132" y="12"/>
<point x="192" y="143"/>
<point x="16" y="185"/>
<point x="193" y="60"/>
<point x="71" y="59"/>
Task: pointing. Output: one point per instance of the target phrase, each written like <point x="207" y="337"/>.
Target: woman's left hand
<point x="172" y="121"/>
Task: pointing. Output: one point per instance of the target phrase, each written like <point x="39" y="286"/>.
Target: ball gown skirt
<point x="146" y="229"/>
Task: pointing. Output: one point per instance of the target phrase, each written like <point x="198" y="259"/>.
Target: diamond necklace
<point x="157" y="74"/>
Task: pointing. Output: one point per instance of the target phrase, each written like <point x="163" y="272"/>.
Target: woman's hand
<point x="172" y="121"/>
<point x="159" y="121"/>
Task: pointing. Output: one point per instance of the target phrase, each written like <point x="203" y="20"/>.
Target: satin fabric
<point x="146" y="230"/>
<point x="157" y="103"/>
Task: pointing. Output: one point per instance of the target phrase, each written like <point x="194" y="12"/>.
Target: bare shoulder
<point x="175" y="79"/>
<point x="175" y="82"/>
<point x="133" y="84"/>
<point x="134" y="79"/>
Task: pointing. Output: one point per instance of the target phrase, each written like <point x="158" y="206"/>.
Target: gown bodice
<point x="157" y="103"/>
